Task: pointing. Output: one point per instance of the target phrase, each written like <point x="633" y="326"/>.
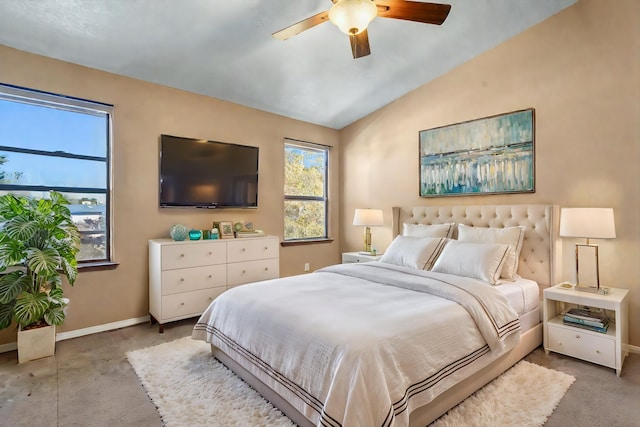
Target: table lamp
<point x="589" y="223"/>
<point x="368" y="218"/>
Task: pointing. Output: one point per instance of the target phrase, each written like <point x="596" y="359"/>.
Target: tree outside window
<point x="305" y="191"/>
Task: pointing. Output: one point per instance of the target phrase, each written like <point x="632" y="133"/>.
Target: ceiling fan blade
<point x="301" y="26"/>
<point x="429" y="13"/>
<point x="360" y="45"/>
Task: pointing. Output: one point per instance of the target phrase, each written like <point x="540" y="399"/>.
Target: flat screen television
<point x="207" y="174"/>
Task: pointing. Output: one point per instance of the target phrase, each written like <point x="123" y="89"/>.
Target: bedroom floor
<point x="90" y="383"/>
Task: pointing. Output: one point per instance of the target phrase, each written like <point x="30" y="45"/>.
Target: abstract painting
<point x="491" y="155"/>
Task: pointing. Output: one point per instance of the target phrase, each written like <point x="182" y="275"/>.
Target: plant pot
<point x="36" y="343"/>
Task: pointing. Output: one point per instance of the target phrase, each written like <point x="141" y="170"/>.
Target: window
<point x="52" y="142"/>
<point x="305" y="190"/>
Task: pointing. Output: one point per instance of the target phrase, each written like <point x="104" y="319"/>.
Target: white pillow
<point x="424" y="230"/>
<point x="512" y="236"/>
<point x="482" y="261"/>
<point x="416" y="252"/>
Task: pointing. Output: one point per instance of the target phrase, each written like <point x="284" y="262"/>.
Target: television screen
<point x="207" y="174"/>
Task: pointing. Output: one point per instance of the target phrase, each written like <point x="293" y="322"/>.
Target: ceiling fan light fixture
<point x="353" y="16"/>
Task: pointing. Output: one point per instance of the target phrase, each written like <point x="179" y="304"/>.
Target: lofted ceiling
<point x="224" y="49"/>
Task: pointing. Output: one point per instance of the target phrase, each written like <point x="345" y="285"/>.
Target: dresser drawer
<point x="192" y="279"/>
<point x="252" y="271"/>
<point x="252" y="249"/>
<point x="586" y="345"/>
<point x="188" y="304"/>
<point x="193" y="255"/>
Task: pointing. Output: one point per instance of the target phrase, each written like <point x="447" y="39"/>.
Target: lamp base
<point x="592" y="289"/>
<point x="367" y="239"/>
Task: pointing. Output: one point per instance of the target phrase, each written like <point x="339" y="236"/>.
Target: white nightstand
<point x="348" y="257"/>
<point x="608" y="349"/>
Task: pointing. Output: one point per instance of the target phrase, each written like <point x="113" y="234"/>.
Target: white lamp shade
<point x="368" y="217"/>
<point x="352" y="16"/>
<point x="590" y="223"/>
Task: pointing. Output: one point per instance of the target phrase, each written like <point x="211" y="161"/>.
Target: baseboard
<point x="633" y="349"/>
<point x="8" y="347"/>
<point x="61" y="336"/>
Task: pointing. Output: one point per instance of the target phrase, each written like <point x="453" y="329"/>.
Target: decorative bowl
<point x="178" y="232"/>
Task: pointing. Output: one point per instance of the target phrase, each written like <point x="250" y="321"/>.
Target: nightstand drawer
<point x="582" y="344"/>
<point x="349" y="257"/>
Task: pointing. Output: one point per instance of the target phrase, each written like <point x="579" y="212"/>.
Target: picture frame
<point x="490" y="155"/>
<point x="225" y="229"/>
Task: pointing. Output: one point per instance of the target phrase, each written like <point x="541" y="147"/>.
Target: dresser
<point x="185" y="276"/>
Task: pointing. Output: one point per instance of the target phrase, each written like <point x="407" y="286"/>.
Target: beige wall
<point x="142" y="112"/>
<point x="579" y="70"/>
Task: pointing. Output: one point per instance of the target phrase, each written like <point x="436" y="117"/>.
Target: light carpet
<point x="191" y="388"/>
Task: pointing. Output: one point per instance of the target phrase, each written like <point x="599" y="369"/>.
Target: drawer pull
<point x="244" y="271"/>
<point x="181" y="303"/>
<point x="266" y="248"/>
<point x="578" y="337"/>
<point x="181" y="279"/>
<point x="243" y="249"/>
<point x="210" y="276"/>
<point x="266" y="269"/>
<point x="181" y="255"/>
<point x="210" y="253"/>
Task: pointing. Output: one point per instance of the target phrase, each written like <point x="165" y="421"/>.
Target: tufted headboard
<point x="538" y="255"/>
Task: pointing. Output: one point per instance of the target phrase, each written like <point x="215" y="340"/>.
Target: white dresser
<point x="184" y="277"/>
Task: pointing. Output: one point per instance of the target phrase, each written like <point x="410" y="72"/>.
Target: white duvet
<point x="361" y="344"/>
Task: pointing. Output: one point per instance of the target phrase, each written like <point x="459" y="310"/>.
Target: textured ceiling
<point x="224" y="49"/>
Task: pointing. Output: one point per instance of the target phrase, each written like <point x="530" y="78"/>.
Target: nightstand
<point x="348" y="257"/>
<point x="608" y="349"/>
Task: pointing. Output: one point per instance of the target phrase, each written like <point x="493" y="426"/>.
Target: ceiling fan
<point x="353" y="16"/>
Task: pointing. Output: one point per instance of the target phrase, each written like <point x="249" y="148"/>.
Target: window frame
<point x="36" y="97"/>
<point x="288" y="142"/>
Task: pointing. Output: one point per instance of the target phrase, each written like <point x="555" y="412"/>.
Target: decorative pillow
<point x="416" y="252"/>
<point x="482" y="261"/>
<point x="424" y="230"/>
<point x="512" y="236"/>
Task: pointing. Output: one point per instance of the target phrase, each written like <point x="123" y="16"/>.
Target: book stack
<point x="254" y="233"/>
<point x="586" y="319"/>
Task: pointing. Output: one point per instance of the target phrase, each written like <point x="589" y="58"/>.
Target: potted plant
<point x="38" y="243"/>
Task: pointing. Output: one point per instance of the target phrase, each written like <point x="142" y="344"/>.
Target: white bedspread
<point x="361" y="344"/>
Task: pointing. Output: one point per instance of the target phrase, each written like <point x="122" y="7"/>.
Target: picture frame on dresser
<point x="225" y="229"/>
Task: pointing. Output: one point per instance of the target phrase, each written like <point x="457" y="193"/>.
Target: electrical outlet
<point x="306" y="266"/>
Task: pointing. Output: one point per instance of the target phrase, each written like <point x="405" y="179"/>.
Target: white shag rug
<point x="191" y="388"/>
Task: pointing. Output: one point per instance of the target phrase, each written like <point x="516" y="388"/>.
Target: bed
<point x="390" y="343"/>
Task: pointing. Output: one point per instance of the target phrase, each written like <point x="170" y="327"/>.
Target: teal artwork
<point x="485" y="156"/>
